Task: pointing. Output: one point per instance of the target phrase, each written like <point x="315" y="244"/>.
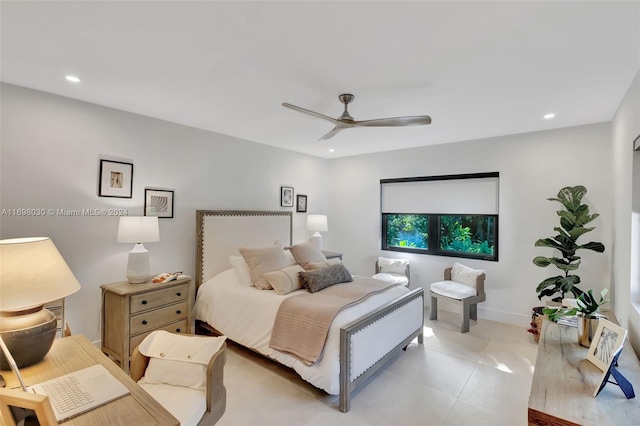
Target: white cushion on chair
<point x="393" y="266"/>
<point x="392" y="278"/>
<point x="453" y="289"/>
<point x="185" y="404"/>
<point x="465" y="275"/>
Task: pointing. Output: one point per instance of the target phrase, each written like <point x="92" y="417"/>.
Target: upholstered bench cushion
<point x="392" y="278"/>
<point x="453" y="289"/>
<point x="185" y="404"/>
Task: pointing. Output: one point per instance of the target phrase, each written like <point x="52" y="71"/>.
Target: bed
<point x="361" y="338"/>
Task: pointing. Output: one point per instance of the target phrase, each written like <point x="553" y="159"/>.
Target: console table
<point x="76" y="352"/>
<point x="564" y="381"/>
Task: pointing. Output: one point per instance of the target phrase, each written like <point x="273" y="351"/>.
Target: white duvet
<point x="246" y="315"/>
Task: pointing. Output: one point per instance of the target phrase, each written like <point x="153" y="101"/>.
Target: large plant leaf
<point x="542" y="261"/>
<point x="575" y="233"/>
<point x="567" y="216"/>
<point x="570" y="197"/>
<point x="597" y="247"/>
<point x="563" y="265"/>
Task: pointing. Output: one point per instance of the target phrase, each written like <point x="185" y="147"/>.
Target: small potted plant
<point x="586" y="311"/>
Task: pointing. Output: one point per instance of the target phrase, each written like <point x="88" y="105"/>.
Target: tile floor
<point x="479" y="378"/>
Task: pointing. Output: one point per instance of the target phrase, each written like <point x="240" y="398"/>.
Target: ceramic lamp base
<point x="28" y="335"/>
<point x="138" y="266"/>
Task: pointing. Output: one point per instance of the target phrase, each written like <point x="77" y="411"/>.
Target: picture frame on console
<point x="606" y="343"/>
<point x="115" y="179"/>
<point x="17" y="406"/>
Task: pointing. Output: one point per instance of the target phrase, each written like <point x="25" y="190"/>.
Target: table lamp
<point x="138" y="230"/>
<point x="317" y="223"/>
<point x="32" y="273"/>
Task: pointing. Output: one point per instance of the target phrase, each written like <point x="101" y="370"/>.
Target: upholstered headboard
<point x="220" y="233"/>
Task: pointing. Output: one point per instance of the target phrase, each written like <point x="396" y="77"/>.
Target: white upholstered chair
<point x="396" y="271"/>
<point x="463" y="286"/>
<point x="184" y="373"/>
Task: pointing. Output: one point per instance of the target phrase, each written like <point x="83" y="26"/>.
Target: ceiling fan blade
<point x="331" y="134"/>
<point x="416" y="120"/>
<point x="306" y="111"/>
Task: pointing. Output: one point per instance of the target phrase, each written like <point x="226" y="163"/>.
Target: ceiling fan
<point x="345" y="121"/>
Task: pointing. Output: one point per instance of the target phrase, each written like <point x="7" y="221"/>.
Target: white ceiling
<point x="478" y="68"/>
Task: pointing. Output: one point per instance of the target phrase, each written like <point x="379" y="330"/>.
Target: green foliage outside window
<point x="467" y="234"/>
<point x="408" y="230"/>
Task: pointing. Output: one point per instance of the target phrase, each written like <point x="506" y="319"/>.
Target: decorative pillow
<point x="178" y="360"/>
<point x="307" y="252"/>
<point x="318" y="279"/>
<point x="242" y="270"/>
<point x="323" y="264"/>
<point x="261" y="260"/>
<point x="285" y="280"/>
<point x="465" y="275"/>
<point x="393" y="266"/>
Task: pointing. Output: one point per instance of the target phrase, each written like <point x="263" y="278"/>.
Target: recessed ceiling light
<point x="549" y="116"/>
<point x="331" y="150"/>
<point x="73" y="79"/>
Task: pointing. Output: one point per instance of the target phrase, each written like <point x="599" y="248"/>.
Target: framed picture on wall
<point x="158" y="202"/>
<point x="636" y="143"/>
<point x="301" y="203"/>
<point x="116" y="179"/>
<point x="286" y="196"/>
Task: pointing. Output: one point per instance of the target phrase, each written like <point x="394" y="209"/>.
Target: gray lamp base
<point x="28" y="335"/>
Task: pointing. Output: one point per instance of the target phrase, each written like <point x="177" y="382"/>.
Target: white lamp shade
<point x="138" y="229"/>
<point x="32" y="273"/>
<point x="317" y="223"/>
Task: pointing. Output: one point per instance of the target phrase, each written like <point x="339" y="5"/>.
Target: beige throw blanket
<point x="302" y="322"/>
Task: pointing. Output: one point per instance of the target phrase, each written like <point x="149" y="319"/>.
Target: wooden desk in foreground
<point x="76" y="352"/>
<point x="564" y="381"/>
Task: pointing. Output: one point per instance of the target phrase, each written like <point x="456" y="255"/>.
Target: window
<point x="470" y="236"/>
<point x="431" y="227"/>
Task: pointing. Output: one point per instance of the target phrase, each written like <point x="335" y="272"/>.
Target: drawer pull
<point x="178" y="294"/>
<point x="178" y="330"/>
<point x="144" y="322"/>
<point x="178" y="312"/>
<point x="144" y="302"/>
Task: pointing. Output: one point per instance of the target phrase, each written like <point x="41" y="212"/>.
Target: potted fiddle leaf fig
<point x="573" y="219"/>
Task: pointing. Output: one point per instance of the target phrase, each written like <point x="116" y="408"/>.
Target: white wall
<point x="50" y="151"/>
<point x="533" y="167"/>
<point x="626" y="233"/>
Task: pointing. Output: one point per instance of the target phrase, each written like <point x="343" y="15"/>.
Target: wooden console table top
<point x="76" y="352"/>
<point x="564" y="382"/>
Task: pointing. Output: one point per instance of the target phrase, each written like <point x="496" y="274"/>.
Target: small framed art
<point x="607" y="341"/>
<point x="301" y="203"/>
<point x="116" y="179"/>
<point x="286" y="196"/>
<point x="636" y="143"/>
<point x="158" y="202"/>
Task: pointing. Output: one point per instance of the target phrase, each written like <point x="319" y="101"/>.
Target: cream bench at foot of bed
<point x="403" y="322"/>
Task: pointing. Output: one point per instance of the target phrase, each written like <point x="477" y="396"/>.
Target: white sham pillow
<point x="261" y="260"/>
<point x="242" y="270"/>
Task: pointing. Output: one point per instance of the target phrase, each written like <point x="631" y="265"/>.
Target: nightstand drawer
<point x="153" y="299"/>
<point x="175" y="327"/>
<point x="151" y="320"/>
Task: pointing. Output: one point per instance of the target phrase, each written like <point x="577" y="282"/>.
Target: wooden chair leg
<point x="465" y="316"/>
<point x="434" y="309"/>
<point x="474" y="312"/>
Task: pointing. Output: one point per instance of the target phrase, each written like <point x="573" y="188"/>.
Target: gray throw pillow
<point x="318" y="279"/>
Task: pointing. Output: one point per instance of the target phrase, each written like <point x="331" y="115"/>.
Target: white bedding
<point x="246" y="315"/>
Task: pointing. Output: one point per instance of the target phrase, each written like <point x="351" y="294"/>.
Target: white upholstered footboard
<point x="400" y="321"/>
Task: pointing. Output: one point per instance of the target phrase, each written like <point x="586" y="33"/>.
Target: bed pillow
<point x="261" y="260"/>
<point x="242" y="270"/>
<point x="178" y="360"/>
<point x="464" y="275"/>
<point x="393" y="266"/>
<point x="319" y="279"/>
<point x="307" y="252"/>
<point x="285" y="280"/>
<point x="323" y="264"/>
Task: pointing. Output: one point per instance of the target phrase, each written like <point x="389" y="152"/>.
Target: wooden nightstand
<point x="131" y="311"/>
